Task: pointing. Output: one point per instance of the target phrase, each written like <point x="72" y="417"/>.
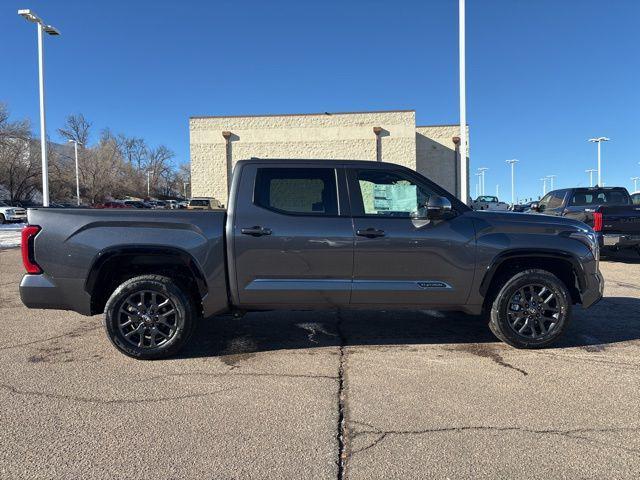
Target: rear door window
<point x="297" y="191"/>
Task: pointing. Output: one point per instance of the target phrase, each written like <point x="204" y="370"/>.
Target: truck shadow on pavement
<point x="613" y="320"/>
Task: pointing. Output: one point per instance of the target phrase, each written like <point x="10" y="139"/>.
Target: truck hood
<point x="528" y="221"/>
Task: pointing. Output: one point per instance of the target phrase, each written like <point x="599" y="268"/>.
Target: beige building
<point x="391" y="136"/>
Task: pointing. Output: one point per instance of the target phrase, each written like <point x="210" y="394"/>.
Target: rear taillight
<point x="28" y="234"/>
<point x="597" y="222"/>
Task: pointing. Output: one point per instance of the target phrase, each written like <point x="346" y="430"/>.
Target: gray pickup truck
<point x="303" y="235"/>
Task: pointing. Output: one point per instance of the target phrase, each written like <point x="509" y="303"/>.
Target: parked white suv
<point x="11" y="214"/>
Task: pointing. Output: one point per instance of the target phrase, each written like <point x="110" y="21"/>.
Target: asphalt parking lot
<point x="323" y="395"/>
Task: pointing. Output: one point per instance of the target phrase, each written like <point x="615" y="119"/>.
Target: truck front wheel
<point x="531" y="310"/>
<point x="149" y="317"/>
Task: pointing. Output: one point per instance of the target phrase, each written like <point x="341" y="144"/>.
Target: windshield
<point x="488" y="199"/>
<point x="600" y="196"/>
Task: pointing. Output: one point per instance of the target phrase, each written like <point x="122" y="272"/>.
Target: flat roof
<point x="302" y="114"/>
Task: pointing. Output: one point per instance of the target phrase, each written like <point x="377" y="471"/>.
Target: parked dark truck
<point x="310" y="234"/>
<point x="608" y="210"/>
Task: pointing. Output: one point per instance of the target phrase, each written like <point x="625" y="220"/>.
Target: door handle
<point x="370" y="233"/>
<point x="256" y="231"/>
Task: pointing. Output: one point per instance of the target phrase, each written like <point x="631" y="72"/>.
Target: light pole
<point x="544" y="186"/>
<point x="184" y="186"/>
<point x="75" y="148"/>
<point x="463" y="103"/>
<point x="599" y="140"/>
<point x="635" y="183"/>
<point x="590" y="172"/>
<point x="149" y="173"/>
<point x="42" y="27"/>
<point x="513" y="162"/>
<point x="497" y="190"/>
<point x="478" y="175"/>
<point x="551" y="177"/>
<point x="482" y="170"/>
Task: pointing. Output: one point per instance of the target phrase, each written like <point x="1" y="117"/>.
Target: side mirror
<point x="535" y="206"/>
<point x="437" y="207"/>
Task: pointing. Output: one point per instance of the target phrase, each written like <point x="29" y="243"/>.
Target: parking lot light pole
<point x="149" y="172"/>
<point x="482" y="170"/>
<point x="544" y="186"/>
<point x="42" y="27"/>
<point x="590" y="172"/>
<point x="599" y="140"/>
<point x="551" y="177"/>
<point x="635" y="183"/>
<point x="75" y="148"/>
<point x="512" y="163"/>
<point x="464" y="174"/>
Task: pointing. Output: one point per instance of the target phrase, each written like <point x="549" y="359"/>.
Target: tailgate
<point x="623" y="219"/>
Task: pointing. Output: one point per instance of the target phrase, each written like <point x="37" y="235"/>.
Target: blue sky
<point x="543" y="75"/>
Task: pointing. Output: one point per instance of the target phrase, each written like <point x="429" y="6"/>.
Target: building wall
<point x="347" y="136"/>
<point x="436" y="155"/>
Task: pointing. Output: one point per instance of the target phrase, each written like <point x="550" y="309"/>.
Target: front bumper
<point x="617" y="240"/>
<point x="16" y="217"/>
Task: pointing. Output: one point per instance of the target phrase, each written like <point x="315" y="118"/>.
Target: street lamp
<point x="513" y="162"/>
<point x="149" y="173"/>
<point x="590" y="172"/>
<point x="479" y="175"/>
<point x="42" y="27"/>
<point x="184" y="186"/>
<point x="599" y="140"/>
<point x="544" y="186"/>
<point x="551" y="177"/>
<point x="635" y="183"/>
<point x="482" y="170"/>
<point x="75" y="148"/>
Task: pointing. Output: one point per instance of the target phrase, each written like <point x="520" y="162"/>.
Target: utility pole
<point x="464" y="174"/>
<point x="512" y="163"/>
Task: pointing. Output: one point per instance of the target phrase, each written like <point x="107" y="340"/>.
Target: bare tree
<point x="19" y="161"/>
<point x="76" y="128"/>
<point x="133" y="150"/>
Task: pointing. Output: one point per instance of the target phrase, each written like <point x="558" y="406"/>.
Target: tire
<point x="149" y="317"/>
<point x="521" y="321"/>
<point x="2" y="219"/>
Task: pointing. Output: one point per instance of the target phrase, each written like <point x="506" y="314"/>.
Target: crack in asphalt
<point x="233" y="373"/>
<point x="121" y="401"/>
<point x="381" y="435"/>
<point x="342" y="434"/>
<point x="86" y="328"/>
<point x="489" y="351"/>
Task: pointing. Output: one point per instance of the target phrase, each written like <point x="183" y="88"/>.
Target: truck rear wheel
<point x="149" y="317"/>
<point x="531" y="310"/>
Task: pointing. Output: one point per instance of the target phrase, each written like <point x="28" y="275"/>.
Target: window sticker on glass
<point x="395" y="198"/>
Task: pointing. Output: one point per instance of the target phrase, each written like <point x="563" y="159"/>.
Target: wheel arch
<point x="564" y="265"/>
<point x="116" y="264"/>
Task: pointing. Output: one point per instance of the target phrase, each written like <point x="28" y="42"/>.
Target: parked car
<point x="172" y="204"/>
<point x="635" y="198"/>
<point x="136" y="204"/>
<point x="522" y="207"/>
<point x="489" y="202"/>
<point x="111" y="205"/>
<point x="609" y="210"/>
<point x="310" y="234"/>
<point x="183" y="204"/>
<point x="204" y="203"/>
<point x="9" y="213"/>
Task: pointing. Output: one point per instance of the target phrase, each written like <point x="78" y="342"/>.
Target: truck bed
<point x="72" y="241"/>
